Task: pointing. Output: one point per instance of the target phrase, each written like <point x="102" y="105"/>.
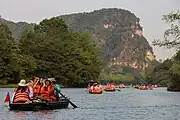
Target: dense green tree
<point x="171" y="35"/>
<point x="113" y="30"/>
<point x="71" y="57"/>
<point x="6" y="49"/>
<point x="13" y="65"/>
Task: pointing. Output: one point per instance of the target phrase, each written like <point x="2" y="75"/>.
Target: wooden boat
<point x="43" y="105"/>
<point x="137" y="86"/>
<point x="143" y="88"/>
<point x="95" y="92"/>
<point x="112" y="90"/>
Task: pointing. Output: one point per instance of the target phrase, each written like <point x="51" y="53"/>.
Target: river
<point x="128" y="104"/>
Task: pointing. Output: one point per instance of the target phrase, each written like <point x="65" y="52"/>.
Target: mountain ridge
<point x="106" y="29"/>
<point x="116" y="31"/>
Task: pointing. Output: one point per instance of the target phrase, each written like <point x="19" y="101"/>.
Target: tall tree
<point x="172" y="40"/>
<point x="7" y="45"/>
<point x="171" y="35"/>
<point x="71" y="57"/>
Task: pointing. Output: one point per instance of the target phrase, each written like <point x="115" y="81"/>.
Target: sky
<point x="149" y="11"/>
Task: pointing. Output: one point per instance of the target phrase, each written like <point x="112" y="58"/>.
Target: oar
<point x="69" y="101"/>
<point x="118" y="89"/>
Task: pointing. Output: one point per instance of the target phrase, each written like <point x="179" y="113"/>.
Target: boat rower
<point x="57" y="88"/>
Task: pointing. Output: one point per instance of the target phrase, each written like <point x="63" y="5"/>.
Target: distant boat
<point x="121" y="86"/>
<point x="155" y="86"/>
<point x="110" y="88"/>
<point x="94" y="87"/>
<point x="144" y="87"/>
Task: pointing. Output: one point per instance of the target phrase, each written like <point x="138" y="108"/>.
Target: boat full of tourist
<point x="39" y="93"/>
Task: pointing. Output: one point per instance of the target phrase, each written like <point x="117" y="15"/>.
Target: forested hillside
<point x="118" y="35"/>
<point x="49" y="49"/>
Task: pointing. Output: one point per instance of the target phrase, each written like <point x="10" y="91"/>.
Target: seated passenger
<point x="47" y="91"/>
<point x="37" y="86"/>
<point x="33" y="81"/>
<point x="100" y="86"/>
<point x="108" y="86"/>
<point x="57" y="88"/>
<point x="22" y="93"/>
<point x="112" y="87"/>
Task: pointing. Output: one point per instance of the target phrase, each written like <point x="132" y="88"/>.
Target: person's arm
<point x="51" y="90"/>
<point x="31" y="92"/>
<point x="57" y="87"/>
<point x="35" y="84"/>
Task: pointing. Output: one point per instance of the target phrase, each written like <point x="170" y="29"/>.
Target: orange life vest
<point x="48" y="92"/>
<point x="108" y="86"/>
<point x="36" y="90"/>
<point x="21" y="96"/>
<point x="112" y="87"/>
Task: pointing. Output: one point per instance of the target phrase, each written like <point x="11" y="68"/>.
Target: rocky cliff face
<point x="116" y="31"/>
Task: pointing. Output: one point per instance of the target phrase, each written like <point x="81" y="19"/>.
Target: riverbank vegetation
<point x="49" y="48"/>
<point x="168" y="72"/>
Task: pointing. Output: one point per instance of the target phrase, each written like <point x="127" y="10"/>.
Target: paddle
<point x="118" y="89"/>
<point x="69" y="101"/>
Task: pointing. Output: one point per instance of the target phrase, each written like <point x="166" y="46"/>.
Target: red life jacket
<point x="112" y="87"/>
<point x="48" y="93"/>
<point x="36" y="90"/>
<point x="21" y="96"/>
<point x="108" y="87"/>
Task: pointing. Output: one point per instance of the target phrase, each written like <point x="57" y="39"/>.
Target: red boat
<point x="94" y="87"/>
<point x="110" y="88"/>
<point x="143" y="87"/>
<point x="121" y="86"/>
<point x="146" y="87"/>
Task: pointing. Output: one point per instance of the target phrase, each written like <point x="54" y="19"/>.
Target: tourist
<point x="47" y="91"/>
<point x="57" y="88"/>
<point x="37" y="86"/>
<point x="22" y="93"/>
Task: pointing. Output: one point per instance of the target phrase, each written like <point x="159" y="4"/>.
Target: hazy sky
<point x="149" y="11"/>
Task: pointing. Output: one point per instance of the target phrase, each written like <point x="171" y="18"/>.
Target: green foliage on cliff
<point x="112" y="30"/>
<point x="49" y="49"/>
